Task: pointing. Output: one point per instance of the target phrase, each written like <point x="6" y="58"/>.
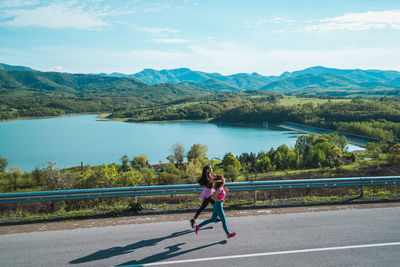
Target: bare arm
<point x="210" y="179"/>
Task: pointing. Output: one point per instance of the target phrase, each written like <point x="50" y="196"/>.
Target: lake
<point x="71" y="140"/>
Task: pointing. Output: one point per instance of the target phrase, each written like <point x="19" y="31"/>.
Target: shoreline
<point x="50" y="117"/>
<point x="169" y="121"/>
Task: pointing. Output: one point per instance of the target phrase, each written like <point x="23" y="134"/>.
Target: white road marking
<point x="269" y="254"/>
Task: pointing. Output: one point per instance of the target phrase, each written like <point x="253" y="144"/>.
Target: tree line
<point x="377" y="119"/>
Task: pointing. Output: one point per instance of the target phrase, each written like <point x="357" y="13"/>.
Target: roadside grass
<point x="190" y="203"/>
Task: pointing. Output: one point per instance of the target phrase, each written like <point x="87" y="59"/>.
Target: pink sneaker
<point x="231" y="234"/>
<point x="197" y="228"/>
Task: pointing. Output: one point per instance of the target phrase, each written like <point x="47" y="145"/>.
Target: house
<point x="157" y="167"/>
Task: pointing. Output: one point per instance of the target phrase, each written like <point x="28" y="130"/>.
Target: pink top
<point x="221" y="195"/>
<point x="206" y="193"/>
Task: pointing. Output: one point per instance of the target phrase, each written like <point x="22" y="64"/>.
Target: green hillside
<point x="34" y="83"/>
<point x="33" y="93"/>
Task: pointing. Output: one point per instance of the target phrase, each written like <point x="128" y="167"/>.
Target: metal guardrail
<point x="193" y="188"/>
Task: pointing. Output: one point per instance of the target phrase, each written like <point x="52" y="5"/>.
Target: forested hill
<point x="319" y="81"/>
<point x="30" y="93"/>
<point x="35" y="83"/>
<point x="315" y="80"/>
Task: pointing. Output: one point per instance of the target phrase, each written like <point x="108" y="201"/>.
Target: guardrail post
<point x="255" y="196"/>
<point x="362" y="191"/>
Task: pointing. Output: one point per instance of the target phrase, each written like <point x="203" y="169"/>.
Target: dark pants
<point x="203" y="206"/>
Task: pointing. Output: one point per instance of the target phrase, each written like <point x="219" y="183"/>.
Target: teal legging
<point x="218" y="211"/>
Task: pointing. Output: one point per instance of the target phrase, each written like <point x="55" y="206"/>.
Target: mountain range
<point x="315" y="80"/>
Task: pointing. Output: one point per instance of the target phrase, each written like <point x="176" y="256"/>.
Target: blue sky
<point x="268" y="37"/>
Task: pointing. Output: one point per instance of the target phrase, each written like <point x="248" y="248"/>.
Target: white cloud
<point x="156" y="7"/>
<point x="171" y="41"/>
<point x="259" y="24"/>
<point x="154" y="30"/>
<point x="53" y="16"/>
<point x="359" y="21"/>
<point x="18" y="3"/>
<point x="58" y="69"/>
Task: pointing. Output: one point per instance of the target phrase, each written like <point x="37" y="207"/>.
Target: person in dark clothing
<point x="206" y="180"/>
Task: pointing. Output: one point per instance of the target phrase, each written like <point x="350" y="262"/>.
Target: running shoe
<point x="231" y="234"/>
<point x="197" y="227"/>
<point x="192" y="223"/>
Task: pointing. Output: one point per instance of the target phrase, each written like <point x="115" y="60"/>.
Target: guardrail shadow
<point x="115" y="251"/>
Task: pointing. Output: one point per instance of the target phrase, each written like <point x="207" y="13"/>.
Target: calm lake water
<point x="82" y="138"/>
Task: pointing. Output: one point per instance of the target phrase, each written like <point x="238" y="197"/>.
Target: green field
<point x="293" y="100"/>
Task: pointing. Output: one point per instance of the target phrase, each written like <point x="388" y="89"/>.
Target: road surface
<point x="350" y="237"/>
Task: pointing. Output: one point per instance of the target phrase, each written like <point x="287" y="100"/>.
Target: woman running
<point x="206" y="180"/>
<point x="218" y="211"/>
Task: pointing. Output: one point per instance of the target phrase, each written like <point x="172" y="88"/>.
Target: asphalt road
<point x="351" y="237"/>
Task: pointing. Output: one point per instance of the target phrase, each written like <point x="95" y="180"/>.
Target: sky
<point x="224" y="36"/>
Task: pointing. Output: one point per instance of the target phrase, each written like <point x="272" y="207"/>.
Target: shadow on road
<point x="170" y="253"/>
<point x="115" y="251"/>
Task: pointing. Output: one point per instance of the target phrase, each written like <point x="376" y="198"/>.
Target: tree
<point x="394" y="154"/>
<point x="148" y="175"/>
<point x="178" y="153"/>
<point x="140" y="161"/>
<point x="338" y="140"/>
<point x="171" y="159"/>
<point x="130" y="178"/>
<point x="37" y="176"/>
<point x="3" y="164"/>
<point x="314" y="158"/>
<point x="193" y="171"/>
<point x="230" y="161"/>
<point x="171" y="168"/>
<point x="108" y="175"/>
<point x="263" y="164"/>
<point x="168" y="178"/>
<point x="14" y="175"/>
<point x="54" y="179"/>
<point x="383" y="146"/>
<point x="197" y="152"/>
<point x="232" y="173"/>
<point x="373" y="149"/>
<point x="125" y="163"/>
<point x="304" y="143"/>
